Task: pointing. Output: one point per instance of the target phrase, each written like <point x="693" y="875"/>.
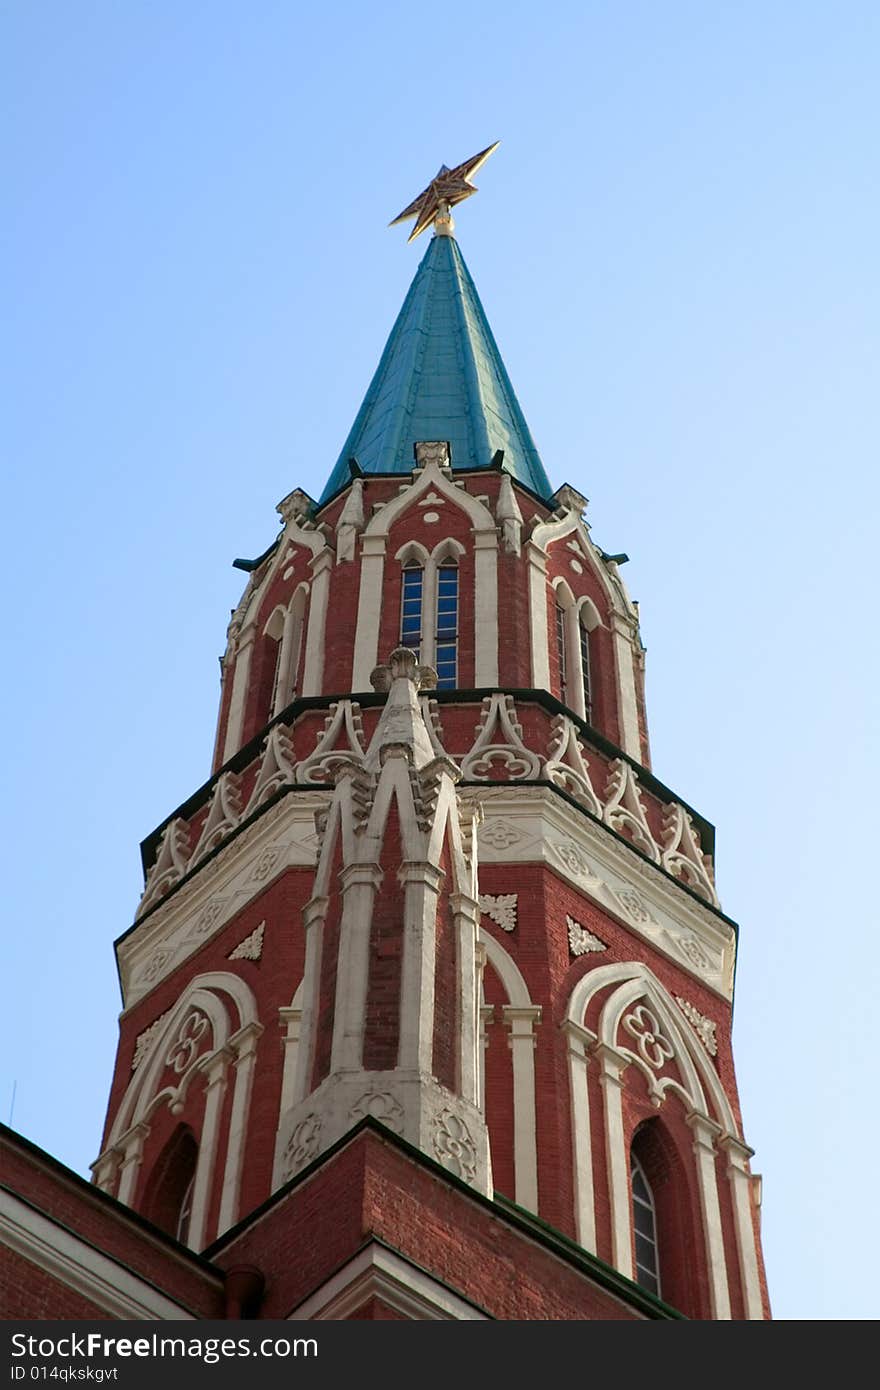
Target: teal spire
<point x="441" y="377"/>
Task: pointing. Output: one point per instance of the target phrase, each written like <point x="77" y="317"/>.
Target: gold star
<point x="451" y="186"/>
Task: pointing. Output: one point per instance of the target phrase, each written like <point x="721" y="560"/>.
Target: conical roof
<point x="441" y="377"/>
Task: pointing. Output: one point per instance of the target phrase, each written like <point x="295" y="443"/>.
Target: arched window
<point x="289" y="650"/>
<point x="585" y="668"/>
<point x="411" y="601"/>
<point x="644" y="1229"/>
<point x="168" y="1200"/>
<point x="562" y="653"/>
<point x="446" y="640"/>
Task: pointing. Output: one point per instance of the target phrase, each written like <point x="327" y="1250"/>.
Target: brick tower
<point x="427" y="1002"/>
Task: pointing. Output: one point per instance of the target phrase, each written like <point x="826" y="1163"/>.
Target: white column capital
<point x="322" y="561"/>
<point x="243" y="1044"/>
<point x="314" y="911"/>
<point x="354" y="875"/>
<point x="705" y="1131"/>
<point x="737" y="1150"/>
<point x="421" y="871"/>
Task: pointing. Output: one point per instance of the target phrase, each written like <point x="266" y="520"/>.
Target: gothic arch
<point x="233" y="1036"/>
<point x="519" y="1015"/>
<point x="632" y="986"/>
<point x="374" y="542"/>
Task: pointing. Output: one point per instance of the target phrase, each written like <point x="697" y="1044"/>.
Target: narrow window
<point x="185" y="1212"/>
<point x="411" y="608"/>
<point x="562" y="654"/>
<point x="585" y="668"/>
<point x="645" y="1229"/>
<point x="446" y="647"/>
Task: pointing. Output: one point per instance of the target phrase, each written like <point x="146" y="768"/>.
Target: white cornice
<point x="282" y="837"/>
<point x="527" y="824"/>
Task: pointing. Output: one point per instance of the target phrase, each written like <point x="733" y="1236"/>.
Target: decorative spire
<point x="451" y="186"/>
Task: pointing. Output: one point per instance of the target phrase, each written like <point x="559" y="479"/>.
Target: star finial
<point x="451" y="186"/>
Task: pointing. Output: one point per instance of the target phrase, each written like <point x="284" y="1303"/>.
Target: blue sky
<point x="676" y="247"/>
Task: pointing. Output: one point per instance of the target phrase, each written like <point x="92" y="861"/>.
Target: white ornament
<point x="702" y="1026"/>
<point x="643" y="1025"/>
<point x="501" y="907"/>
<point x="144" y="1041"/>
<point x="251" y="948"/>
<point x="580" y="941"/>
<point x="188" y="1043"/>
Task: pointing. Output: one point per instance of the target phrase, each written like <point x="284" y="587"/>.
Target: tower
<point x="430" y="980"/>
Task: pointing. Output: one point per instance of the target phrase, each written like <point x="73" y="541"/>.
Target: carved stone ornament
<point x="702" y="1026"/>
<point x="624" y="811"/>
<point x="266" y="862"/>
<point x="341" y="738"/>
<point x="277" y="769"/>
<point x="501" y="907"/>
<point x="382" y="1106"/>
<point x="453" y="1145"/>
<point x="567" y="767"/>
<point x="144" y="1041"/>
<point x="251" y="948"/>
<point x="499" y="834"/>
<point x="302" y="1146"/>
<point x="634" y="906"/>
<point x="681" y="855"/>
<point x="188" y="1043"/>
<point x="209" y="917"/>
<point x="694" y="953"/>
<point x="499" y="740"/>
<point x="571" y="856"/>
<point x="653" y="1048"/>
<point x="581" y="941"/>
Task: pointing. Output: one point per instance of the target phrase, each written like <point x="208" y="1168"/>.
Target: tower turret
<point x="433" y="886"/>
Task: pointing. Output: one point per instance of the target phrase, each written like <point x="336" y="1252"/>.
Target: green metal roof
<point x="441" y="377"/>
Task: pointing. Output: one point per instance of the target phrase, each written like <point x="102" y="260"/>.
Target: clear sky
<point x="676" y="245"/>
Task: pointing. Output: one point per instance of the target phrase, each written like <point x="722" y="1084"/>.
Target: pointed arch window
<point x="644" y="1229"/>
<point x="585" y="667"/>
<point x="561" y="653"/>
<point x="411" y="604"/>
<point x="169" y="1194"/>
<point x="446" y="638"/>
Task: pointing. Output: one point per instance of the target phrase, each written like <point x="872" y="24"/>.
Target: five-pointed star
<point x="451" y="186"/>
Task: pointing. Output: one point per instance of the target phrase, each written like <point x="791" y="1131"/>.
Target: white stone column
<point x="522" y="1022"/>
<point x="612" y="1065"/>
<point x="421" y="883"/>
<point x="575" y="661"/>
<point x="291" y="1020"/>
<point x="366" y="641"/>
<point x="627" y="705"/>
<point x="131" y="1144"/>
<point x="579" y="1042"/>
<point x="314" y="913"/>
<point x="469" y="968"/>
<point x="485" y="609"/>
<point x="487" y="1017"/>
<point x="738" y="1155"/>
<point x="705" y="1132"/>
<point x="537" y="559"/>
<point x="215" y="1090"/>
<point x="359" y="884"/>
<point x="240" y="683"/>
<point x="243" y="1046"/>
<point x="313" y="671"/>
